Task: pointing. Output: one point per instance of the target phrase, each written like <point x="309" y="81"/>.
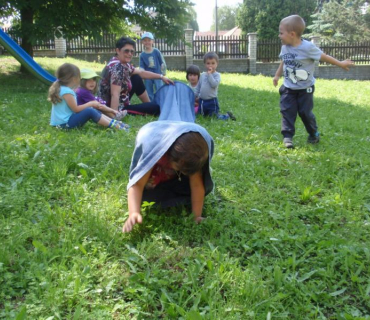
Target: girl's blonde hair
<point x="65" y="73"/>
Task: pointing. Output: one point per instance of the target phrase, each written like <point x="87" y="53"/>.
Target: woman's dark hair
<point x="193" y="69"/>
<point x="123" y="41"/>
<point x="189" y="152"/>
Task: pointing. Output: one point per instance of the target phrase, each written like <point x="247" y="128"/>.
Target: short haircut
<point x="193" y="69"/>
<point x="294" y="23"/>
<point x="210" y="56"/>
<point x="189" y="152"/>
<point x="123" y="41"/>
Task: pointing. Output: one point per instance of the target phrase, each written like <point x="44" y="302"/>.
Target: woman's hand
<point x="166" y="80"/>
<point x="133" y="219"/>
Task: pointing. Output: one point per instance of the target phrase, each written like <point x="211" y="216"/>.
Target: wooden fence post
<point x="188" y="47"/>
<point x="316" y="40"/>
<point x="252" y="52"/>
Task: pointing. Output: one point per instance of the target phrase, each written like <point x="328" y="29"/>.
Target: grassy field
<point x="287" y="233"/>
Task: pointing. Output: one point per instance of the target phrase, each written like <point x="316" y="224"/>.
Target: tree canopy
<point x="40" y="18"/>
<point x="342" y="20"/>
<point x="264" y="16"/>
<point x="226" y="18"/>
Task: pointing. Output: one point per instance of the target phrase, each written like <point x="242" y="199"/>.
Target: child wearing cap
<point x="87" y="90"/>
<point x="151" y="59"/>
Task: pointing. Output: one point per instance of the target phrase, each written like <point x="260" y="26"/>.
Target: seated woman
<point x="120" y="80"/>
<point x="171" y="161"/>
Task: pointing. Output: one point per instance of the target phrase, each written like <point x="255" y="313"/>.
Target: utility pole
<point x="216" y="22"/>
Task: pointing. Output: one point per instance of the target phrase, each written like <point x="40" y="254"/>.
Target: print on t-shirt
<point x="292" y="72"/>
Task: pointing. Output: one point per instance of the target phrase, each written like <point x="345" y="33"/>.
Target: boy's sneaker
<point x="314" y="138"/>
<point x="288" y="143"/>
<point x="120" y="115"/>
<point x="231" y="115"/>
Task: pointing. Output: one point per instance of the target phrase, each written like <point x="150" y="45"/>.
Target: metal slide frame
<point x="25" y="59"/>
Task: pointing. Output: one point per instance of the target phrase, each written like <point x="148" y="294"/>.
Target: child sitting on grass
<point x="207" y="89"/>
<point x="65" y="112"/>
<point x="193" y="75"/>
<point x="87" y="90"/>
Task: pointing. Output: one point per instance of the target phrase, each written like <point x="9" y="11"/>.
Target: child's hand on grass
<point x="198" y="219"/>
<point x="133" y="219"/>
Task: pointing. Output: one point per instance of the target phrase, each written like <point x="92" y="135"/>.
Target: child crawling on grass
<point x="171" y="161"/>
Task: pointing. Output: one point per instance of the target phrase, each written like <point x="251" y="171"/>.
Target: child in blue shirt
<point x="151" y="59"/>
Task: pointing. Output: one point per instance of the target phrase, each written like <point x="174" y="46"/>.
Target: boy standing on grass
<point x="298" y="63"/>
<point x="151" y="59"/>
<point x="207" y="88"/>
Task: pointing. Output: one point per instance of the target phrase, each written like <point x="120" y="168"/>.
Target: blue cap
<point x="147" y="35"/>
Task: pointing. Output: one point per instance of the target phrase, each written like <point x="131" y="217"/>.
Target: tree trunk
<point x="26" y="30"/>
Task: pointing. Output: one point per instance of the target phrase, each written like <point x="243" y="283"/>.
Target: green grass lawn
<point x="287" y="234"/>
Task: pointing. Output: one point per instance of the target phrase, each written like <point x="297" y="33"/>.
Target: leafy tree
<point x="342" y="21"/>
<point x="193" y="23"/>
<point x="226" y="18"/>
<point x="39" y="18"/>
<point x="264" y="16"/>
<point x="367" y="17"/>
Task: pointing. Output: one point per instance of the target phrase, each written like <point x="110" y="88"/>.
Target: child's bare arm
<point x="197" y="195"/>
<point x="104" y="108"/>
<point x="345" y="64"/>
<point x="134" y="197"/>
<point x="72" y="103"/>
<point x="278" y="74"/>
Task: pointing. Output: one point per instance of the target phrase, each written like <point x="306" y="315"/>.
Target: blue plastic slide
<point x="25" y="59"/>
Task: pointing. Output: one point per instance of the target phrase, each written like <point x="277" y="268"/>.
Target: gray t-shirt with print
<point x="299" y="64"/>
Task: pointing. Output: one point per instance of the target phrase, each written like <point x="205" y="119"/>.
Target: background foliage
<point x="342" y="21"/>
<point x="226" y="18"/>
<point x="39" y="18"/>
<point x="264" y="16"/>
